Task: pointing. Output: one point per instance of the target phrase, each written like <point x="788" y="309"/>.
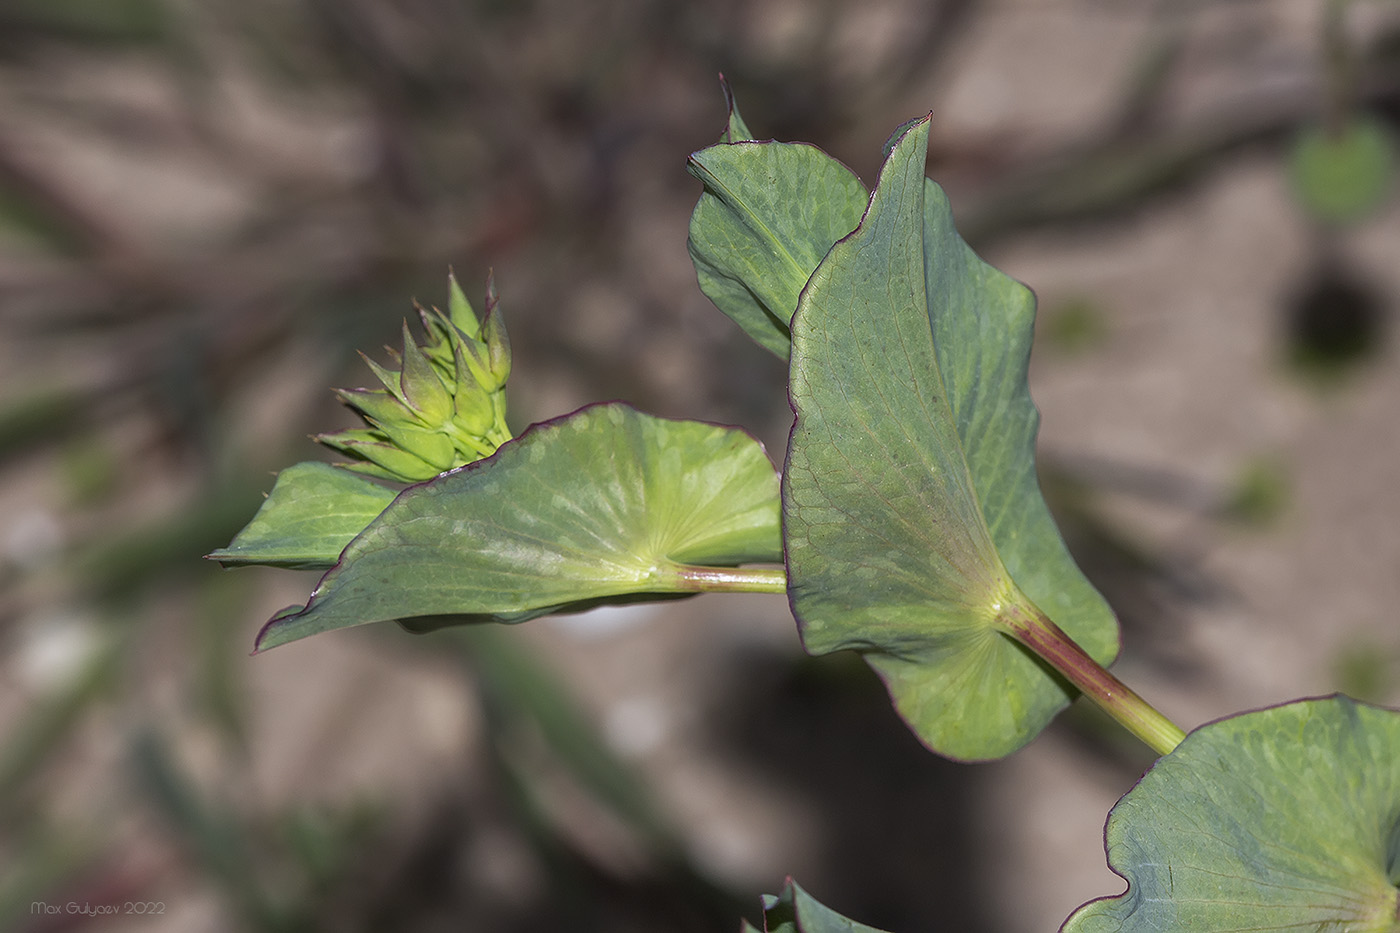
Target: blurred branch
<point x="56" y="214"/>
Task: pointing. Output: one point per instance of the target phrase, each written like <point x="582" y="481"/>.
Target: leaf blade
<point x="767" y="215"/>
<point x="910" y="490"/>
<point x="1287" y="817"/>
<point x="313" y="511"/>
<point x="796" y="911"/>
<point x="603" y="503"/>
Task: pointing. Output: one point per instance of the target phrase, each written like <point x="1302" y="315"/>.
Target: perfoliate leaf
<point x="768" y="214"/>
<point x="604" y="503"/>
<point x="912" y="511"/>
<point x="1282" y="819"/>
<point x="313" y="511"/>
<point x="796" y="911"/>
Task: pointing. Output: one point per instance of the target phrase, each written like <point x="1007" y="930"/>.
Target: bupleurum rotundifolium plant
<point x="908" y="525"/>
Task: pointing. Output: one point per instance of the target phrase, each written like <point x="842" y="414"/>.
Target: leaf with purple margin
<point x="767" y="215"/>
<point x="606" y="503"/>
<point x="1282" y="819"/>
<point x="912" y="510"/>
<point x="796" y="911"/>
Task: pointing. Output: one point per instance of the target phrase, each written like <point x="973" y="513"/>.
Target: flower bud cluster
<point x="445" y="406"/>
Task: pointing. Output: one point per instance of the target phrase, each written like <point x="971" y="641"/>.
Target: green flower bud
<point x="459" y="310"/>
<point x="421" y="386"/>
<point x="378" y="457"/>
<point x="426" y="444"/>
<point x="443" y="407"/>
<point x="474" y="412"/>
<point x="493" y="331"/>
<point x="374" y="404"/>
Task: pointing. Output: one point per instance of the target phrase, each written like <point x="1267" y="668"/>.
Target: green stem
<point x="1030" y="627"/>
<point x="729" y="579"/>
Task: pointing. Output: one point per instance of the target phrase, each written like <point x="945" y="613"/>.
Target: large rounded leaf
<point x="913" y="517"/>
<point x="606" y="502"/>
<point x="1282" y="819"/>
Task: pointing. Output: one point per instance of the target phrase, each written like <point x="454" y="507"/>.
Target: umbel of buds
<point x="446" y="404"/>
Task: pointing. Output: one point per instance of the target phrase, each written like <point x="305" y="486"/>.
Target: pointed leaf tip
<point x="899" y="133"/>
<point x="796" y="911"/>
<point x="460" y="310"/>
<point x="736" y="130"/>
<point x="767" y="215"/>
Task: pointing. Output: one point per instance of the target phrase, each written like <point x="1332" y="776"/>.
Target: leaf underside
<point x="911" y="505"/>
<point x="768" y="214"/>
<point x="604" y="504"/>
<point x="1282" y="819"/>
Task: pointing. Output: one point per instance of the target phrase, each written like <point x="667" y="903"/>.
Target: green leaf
<point x="796" y="911"/>
<point x="912" y="511"/>
<point x="1282" y="819"/>
<point x="313" y="511"/>
<point x="604" y="503"/>
<point x="768" y="214"/>
<point x="1341" y="176"/>
<point x="736" y="130"/>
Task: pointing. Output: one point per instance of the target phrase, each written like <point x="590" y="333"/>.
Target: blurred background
<point x="207" y="207"/>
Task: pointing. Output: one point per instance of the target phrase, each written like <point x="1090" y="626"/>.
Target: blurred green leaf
<point x="116" y="21"/>
<point x="1287" y="818"/>
<point x="604" y="503"/>
<point x="1076" y="326"/>
<point x="42" y="416"/>
<point x="118" y="564"/>
<point x="1366" y="670"/>
<point x="522" y="689"/>
<point x="326" y="842"/>
<point x="50" y="719"/>
<point x="1260" y="494"/>
<point x="214" y="834"/>
<point x="37" y="867"/>
<point x="913" y="517"/>
<point x="1341" y="176"/>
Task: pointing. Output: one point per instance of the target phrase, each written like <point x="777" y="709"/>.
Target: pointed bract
<point x="444" y="407"/>
<point x="421" y="385"/>
<point x="459" y="310"/>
